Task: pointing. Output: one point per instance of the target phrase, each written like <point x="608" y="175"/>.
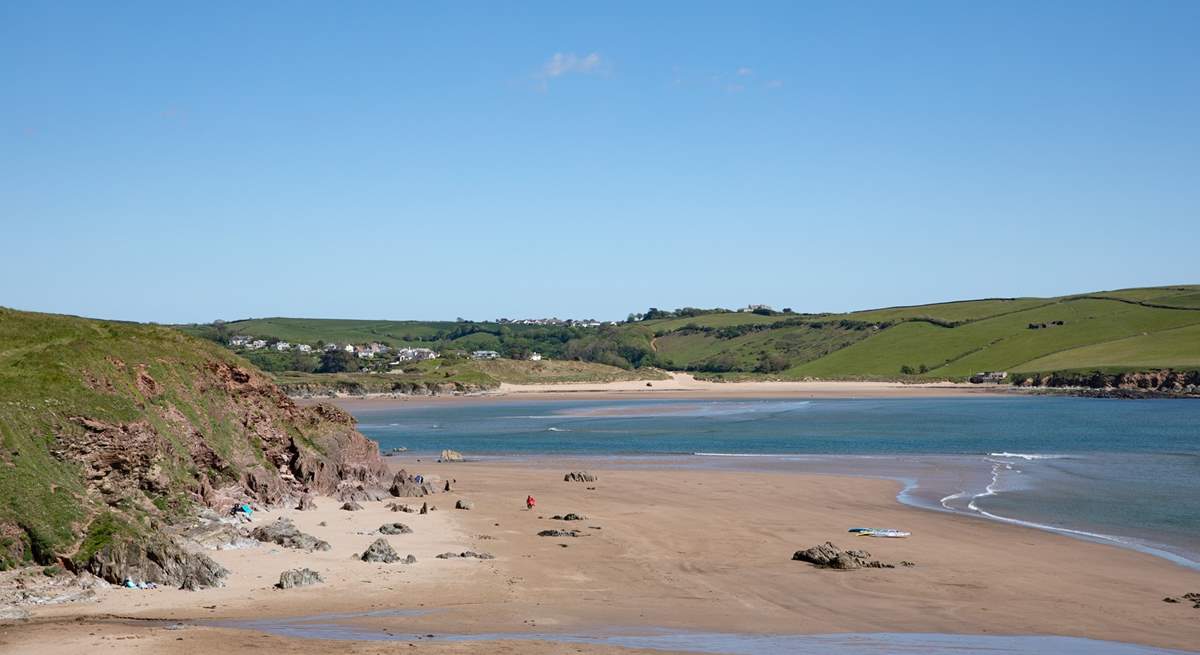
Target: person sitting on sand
<point x="529" y="503"/>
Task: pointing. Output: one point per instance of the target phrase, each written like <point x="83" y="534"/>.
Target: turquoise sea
<point x="1118" y="471"/>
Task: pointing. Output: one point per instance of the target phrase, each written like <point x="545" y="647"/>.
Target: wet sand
<point x="678" y="549"/>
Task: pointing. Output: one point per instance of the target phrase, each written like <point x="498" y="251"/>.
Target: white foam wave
<point x="1026" y="456"/>
<point x="554" y="429"/>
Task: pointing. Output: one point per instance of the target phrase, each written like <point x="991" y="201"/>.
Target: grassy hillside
<point x="1124" y="330"/>
<point x="105" y="423"/>
<point x="1120" y="330"/>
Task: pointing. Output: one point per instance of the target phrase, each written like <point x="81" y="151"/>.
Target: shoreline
<point x="681" y="386"/>
<point x="649" y="560"/>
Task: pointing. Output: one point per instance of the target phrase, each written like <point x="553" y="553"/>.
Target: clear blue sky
<point x="396" y="160"/>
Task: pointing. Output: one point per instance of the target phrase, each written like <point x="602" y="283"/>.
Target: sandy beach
<point x="678" y="549"/>
<point x="686" y="386"/>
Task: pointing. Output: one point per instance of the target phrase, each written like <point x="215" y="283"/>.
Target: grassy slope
<point x="1179" y="348"/>
<point x="989" y="334"/>
<point x="55" y="369"/>
<point x="310" y="330"/>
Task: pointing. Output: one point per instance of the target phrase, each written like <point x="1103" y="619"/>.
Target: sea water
<point x="1121" y="471"/>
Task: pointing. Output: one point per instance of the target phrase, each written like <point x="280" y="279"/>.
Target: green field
<point x="1123" y="328"/>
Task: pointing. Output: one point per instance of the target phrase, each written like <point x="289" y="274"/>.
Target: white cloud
<point x="566" y="63"/>
<point x="745" y="71"/>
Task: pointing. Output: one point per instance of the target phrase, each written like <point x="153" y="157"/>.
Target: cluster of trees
<point x="609" y="345"/>
<point x="733" y="331"/>
<point x="919" y="370"/>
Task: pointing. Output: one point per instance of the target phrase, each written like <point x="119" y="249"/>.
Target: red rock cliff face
<point x="234" y="436"/>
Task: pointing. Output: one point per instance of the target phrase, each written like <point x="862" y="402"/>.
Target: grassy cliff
<point x="111" y="429"/>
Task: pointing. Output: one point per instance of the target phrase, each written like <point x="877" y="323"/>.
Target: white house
<point x="485" y="354"/>
<point x="283" y="346"/>
<point x="304" y="348"/>
<point x="239" y="341"/>
<point x="349" y="348"/>
<point x="257" y="344"/>
<point x="535" y="357"/>
<point x="415" y="354"/>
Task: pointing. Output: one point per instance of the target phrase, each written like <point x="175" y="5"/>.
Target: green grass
<point x="55" y="370"/>
<point x="1177" y="348"/>
<point x="1003" y="342"/>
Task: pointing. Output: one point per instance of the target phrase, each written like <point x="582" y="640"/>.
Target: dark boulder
<point x="298" y="578"/>
<point x="406" y="486"/>
<point x="394" y="528"/>
<point x="464" y="504"/>
<point x="283" y="532"/>
<point x="380" y="551"/>
<point x="568" y="517"/>
<point x="468" y="554"/>
<point x="829" y="556"/>
<point x="155" y="559"/>
<point x="559" y="533"/>
<point x="351" y="506"/>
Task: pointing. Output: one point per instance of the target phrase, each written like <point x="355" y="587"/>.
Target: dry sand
<point x="681" y="549"/>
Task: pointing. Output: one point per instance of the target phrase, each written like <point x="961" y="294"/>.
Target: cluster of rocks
<point x="464" y="504"/>
<point x="156" y="559"/>
<point x="411" y="486"/>
<point x="579" y="476"/>
<point x="571" y="516"/>
<point x="559" y="533"/>
<point x="382" y="551"/>
<point x="306" y="503"/>
<point x="285" y="533"/>
<point x="400" y="507"/>
<point x="394" y="528"/>
<point x="829" y="556"/>
<point x="467" y="554"/>
<point x="298" y="578"/>
<point x="351" y="506"/>
<point x="451" y="456"/>
<point x="1193" y="598"/>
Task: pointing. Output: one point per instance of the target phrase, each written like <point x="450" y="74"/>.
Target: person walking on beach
<point x="530" y="502"/>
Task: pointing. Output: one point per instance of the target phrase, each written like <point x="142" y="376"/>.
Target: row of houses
<point x="367" y="351"/>
<point x="250" y="343"/>
<point x="569" y="322"/>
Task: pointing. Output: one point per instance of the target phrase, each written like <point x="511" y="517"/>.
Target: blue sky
<point x="392" y="160"/>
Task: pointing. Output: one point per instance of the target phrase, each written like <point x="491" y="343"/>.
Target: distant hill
<point x="1110" y="331"/>
<point x="110" y="432"/>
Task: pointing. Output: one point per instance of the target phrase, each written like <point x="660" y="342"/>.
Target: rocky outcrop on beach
<point x="401" y="507"/>
<point x="380" y="551"/>
<point x="579" y="476"/>
<point x="1119" y="385"/>
<point x="154" y="559"/>
<point x="407" y="486"/>
<point x="298" y="578"/>
<point x="451" y="456"/>
<point x="351" y="506"/>
<point x="306" y="503"/>
<point x="1193" y="598"/>
<point x="829" y="556"/>
<point x="559" y="533"/>
<point x="572" y="516"/>
<point x="464" y="504"/>
<point x="283" y="532"/>
<point x="467" y="554"/>
<point x="394" y="528"/>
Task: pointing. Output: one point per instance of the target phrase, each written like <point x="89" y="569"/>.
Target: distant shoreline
<point x="682" y="386"/>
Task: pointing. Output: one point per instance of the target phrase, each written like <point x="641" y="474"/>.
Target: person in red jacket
<point x="530" y="502"/>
